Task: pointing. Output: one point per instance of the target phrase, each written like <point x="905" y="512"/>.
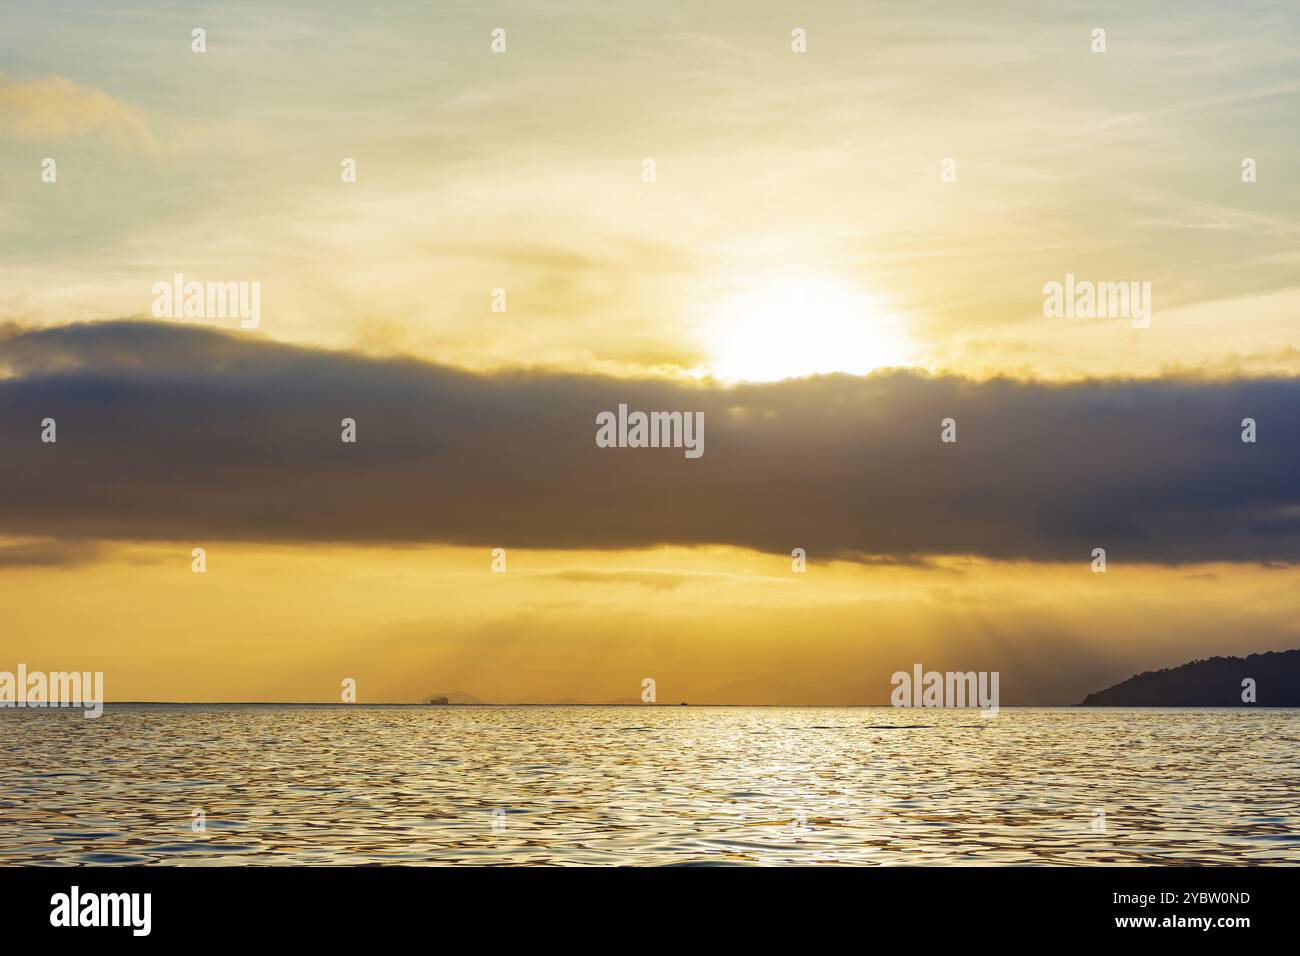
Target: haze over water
<point x="358" y="784"/>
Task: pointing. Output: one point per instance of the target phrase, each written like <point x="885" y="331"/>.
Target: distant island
<point x="1215" y="682"/>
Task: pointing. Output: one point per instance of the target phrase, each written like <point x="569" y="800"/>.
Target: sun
<point x="790" y="327"/>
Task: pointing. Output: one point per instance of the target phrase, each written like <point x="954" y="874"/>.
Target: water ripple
<point x="677" y="786"/>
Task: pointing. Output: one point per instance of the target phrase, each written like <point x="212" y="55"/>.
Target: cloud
<point x="53" y="107"/>
<point x="654" y="580"/>
<point x="48" y="554"/>
<point x="174" y="432"/>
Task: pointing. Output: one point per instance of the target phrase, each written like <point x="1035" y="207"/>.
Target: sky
<point x="826" y="253"/>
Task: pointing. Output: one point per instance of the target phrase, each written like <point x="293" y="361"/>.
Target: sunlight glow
<point x="792" y="327"/>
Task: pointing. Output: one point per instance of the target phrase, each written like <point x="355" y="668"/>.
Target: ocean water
<point x="648" y="785"/>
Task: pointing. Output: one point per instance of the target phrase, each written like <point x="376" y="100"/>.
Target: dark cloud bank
<point x="175" y="432"/>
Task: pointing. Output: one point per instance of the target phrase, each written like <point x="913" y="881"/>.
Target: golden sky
<point x="798" y="222"/>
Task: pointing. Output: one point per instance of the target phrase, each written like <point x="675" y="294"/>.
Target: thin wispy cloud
<point x="51" y="109"/>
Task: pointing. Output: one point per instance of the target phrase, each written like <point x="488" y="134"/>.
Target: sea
<point x="257" y="784"/>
